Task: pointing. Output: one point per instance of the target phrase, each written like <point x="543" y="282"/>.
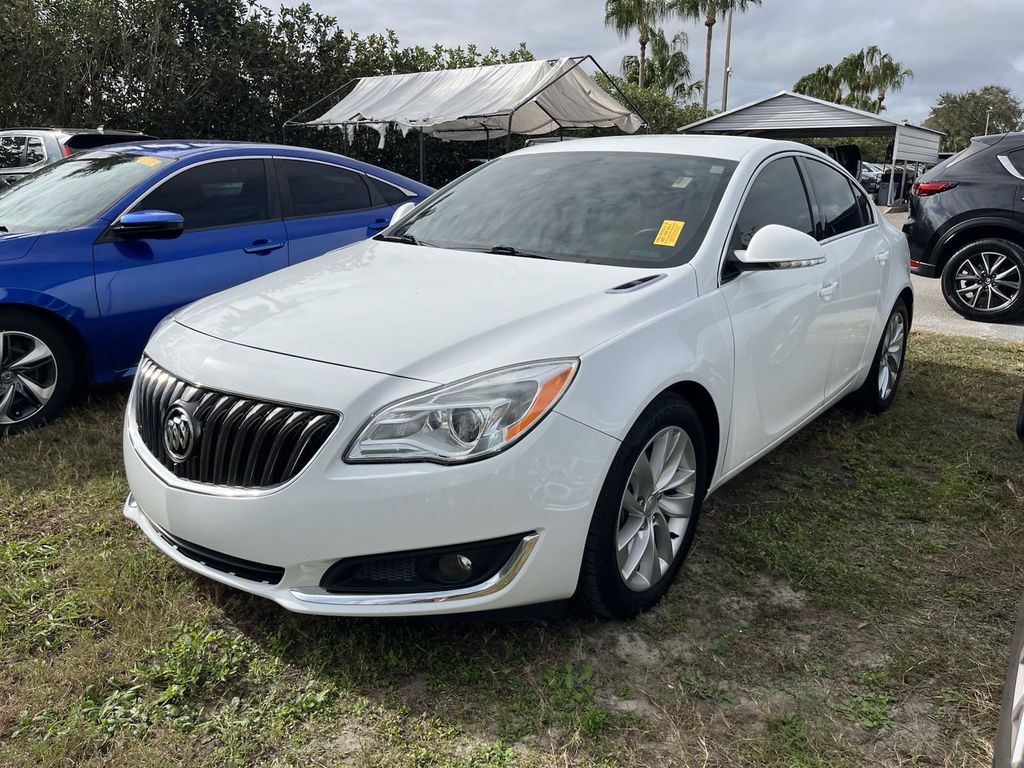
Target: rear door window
<point x="318" y="189"/>
<point x="12" y="151"/>
<point x="34" y="151"/>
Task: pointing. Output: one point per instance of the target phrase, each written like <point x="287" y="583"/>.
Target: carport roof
<point x="788" y="115"/>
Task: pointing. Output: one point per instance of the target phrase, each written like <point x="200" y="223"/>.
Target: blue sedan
<point x="97" y="249"/>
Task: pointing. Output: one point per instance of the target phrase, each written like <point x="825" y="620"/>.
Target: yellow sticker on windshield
<point x="148" y="161"/>
<point x="669" y="233"/>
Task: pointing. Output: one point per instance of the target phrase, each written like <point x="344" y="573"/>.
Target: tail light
<point x="65" y="150"/>
<point x="926" y="188"/>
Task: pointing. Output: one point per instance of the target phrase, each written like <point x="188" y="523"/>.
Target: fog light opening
<point x="455" y="567"/>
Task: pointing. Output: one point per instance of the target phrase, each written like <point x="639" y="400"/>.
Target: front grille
<point x="235" y="566"/>
<point x="238" y="442"/>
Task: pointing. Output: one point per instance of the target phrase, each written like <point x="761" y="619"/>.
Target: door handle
<point x="262" y="247"/>
<point x="882" y="256"/>
<point x="828" y="289"/>
<point x="378" y="226"/>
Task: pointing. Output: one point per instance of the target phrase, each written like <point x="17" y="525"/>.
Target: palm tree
<point x="643" y="16"/>
<point x="822" y="83"/>
<point x="709" y="11"/>
<point x="889" y="75"/>
<point x="668" y="67"/>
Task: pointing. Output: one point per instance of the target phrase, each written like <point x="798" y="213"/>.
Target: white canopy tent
<point x="479" y="103"/>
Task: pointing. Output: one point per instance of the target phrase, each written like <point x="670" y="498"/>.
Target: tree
<point x="641" y="16"/>
<point x="861" y="79"/>
<point x="709" y="11"/>
<point x="962" y="116"/>
<point x="663" y="113"/>
<point x="668" y="69"/>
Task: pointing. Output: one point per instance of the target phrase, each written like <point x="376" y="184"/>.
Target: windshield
<point x="73" y="192"/>
<point x="621" y="208"/>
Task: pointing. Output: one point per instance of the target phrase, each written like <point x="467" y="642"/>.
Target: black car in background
<point x="966" y="227"/>
<point x="26" y="150"/>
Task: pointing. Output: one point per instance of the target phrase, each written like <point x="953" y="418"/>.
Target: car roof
<point x="701" y="145"/>
<point x="97" y="131"/>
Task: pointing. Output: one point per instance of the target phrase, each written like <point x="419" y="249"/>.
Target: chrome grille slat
<point x="242" y="443"/>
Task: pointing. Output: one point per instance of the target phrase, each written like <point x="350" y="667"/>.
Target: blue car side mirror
<point x="160" y="225"/>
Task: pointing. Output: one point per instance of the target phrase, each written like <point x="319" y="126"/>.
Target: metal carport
<point x="788" y="115"/>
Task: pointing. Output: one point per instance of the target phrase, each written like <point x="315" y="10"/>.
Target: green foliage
<point x="228" y="69"/>
<point x="664" y="114"/>
<point x="861" y="79"/>
<point x="964" y="115"/>
<point x="570" y="695"/>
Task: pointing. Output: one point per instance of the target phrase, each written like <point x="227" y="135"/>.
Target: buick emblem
<point x="180" y="433"/>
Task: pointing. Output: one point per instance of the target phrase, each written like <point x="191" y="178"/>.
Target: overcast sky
<point x="950" y="44"/>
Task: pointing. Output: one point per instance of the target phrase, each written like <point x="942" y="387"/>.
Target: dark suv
<point x="26" y="150"/>
<point x="966" y="227"/>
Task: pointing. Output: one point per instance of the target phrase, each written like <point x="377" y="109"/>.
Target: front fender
<point x="618" y="379"/>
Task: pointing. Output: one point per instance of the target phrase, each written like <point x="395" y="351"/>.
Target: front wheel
<point x="878" y="392"/>
<point x="36" y="371"/>
<point x="647" y="512"/>
<point x="985" y="280"/>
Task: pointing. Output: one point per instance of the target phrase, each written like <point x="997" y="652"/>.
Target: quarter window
<point x="777" y="196"/>
<point x="867" y="217"/>
<point x="837" y="207"/>
<point x="34" y="152"/>
<point x="391" y="194"/>
<point x="1017" y="160"/>
<point x="318" y="189"/>
<point x="221" y="194"/>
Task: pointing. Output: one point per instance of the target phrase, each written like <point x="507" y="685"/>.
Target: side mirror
<point x="777" y="247"/>
<point x="154" y="225"/>
<point x="401" y="212"/>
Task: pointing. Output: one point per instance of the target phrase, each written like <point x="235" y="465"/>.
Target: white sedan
<point x="525" y="388"/>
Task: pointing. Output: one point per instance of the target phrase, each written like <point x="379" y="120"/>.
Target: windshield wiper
<point x="407" y="239"/>
<point x="509" y="250"/>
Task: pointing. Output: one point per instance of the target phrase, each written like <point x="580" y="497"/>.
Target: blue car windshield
<point x="73" y="192"/>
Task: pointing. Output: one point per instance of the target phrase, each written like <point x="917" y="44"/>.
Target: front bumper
<point x="546" y="485"/>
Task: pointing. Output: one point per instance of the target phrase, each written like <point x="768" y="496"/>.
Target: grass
<point x="848" y="602"/>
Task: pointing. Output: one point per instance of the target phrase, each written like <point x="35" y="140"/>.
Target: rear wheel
<point x="646" y="516"/>
<point x="985" y="280"/>
<point x="36" y="371"/>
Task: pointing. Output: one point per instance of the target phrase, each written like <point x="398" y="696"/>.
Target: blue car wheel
<point x="37" y="371"/>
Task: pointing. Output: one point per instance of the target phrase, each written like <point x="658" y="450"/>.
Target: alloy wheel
<point x="656" y="508"/>
<point x="891" y="356"/>
<point x="988" y="282"/>
<point x="28" y="376"/>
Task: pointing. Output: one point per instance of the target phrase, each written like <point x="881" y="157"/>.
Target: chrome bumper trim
<point x="496" y="583"/>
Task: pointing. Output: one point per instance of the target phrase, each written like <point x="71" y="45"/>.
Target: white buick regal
<point x="524" y="389"/>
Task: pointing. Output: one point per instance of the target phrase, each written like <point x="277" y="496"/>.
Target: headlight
<point x="467" y="420"/>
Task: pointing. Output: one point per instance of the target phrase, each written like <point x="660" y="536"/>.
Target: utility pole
<point x="728" y="69"/>
<point x="988" y="117"/>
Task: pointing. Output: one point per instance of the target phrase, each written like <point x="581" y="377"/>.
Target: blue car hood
<point x="16" y="244"/>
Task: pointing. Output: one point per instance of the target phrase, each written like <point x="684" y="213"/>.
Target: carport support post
<point x="892" y="173"/>
<point x="423" y="159"/>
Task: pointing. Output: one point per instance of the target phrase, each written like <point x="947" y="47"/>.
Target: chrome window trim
<point x="498" y="582"/>
<point x="1005" y="161"/>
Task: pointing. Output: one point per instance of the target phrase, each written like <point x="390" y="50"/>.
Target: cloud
<point x="951" y="45"/>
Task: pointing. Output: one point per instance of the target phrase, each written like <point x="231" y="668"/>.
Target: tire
<point x="37" y="371"/>
<point x="603" y="588"/>
<point x="874" y="395"/>
<point x="985" y="280"/>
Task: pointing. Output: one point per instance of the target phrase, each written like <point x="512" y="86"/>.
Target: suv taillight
<point x="926" y="188"/>
<point x="65" y="150"/>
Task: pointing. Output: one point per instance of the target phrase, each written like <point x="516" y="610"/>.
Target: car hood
<point x="15" y="245"/>
<point x="433" y="314"/>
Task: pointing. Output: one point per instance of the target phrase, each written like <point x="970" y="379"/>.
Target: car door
<point x="846" y="226"/>
<point x="327" y="206"/>
<point x="233" y="233"/>
<point x="782" y="340"/>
